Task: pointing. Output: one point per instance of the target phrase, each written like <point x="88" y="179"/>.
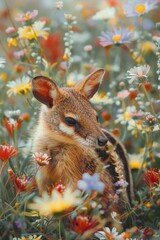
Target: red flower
<point x="148" y="86"/>
<point x="22" y="183"/>
<point x="59" y="187"/>
<point x="133" y="94"/>
<point x="53" y="47"/>
<point x="41" y="158"/>
<point x="152" y="177"/>
<point x="113" y="3"/>
<point x="148" y="232"/>
<point x="83" y="223"/>
<point x="10" y="124"/>
<point x="7" y="152"/>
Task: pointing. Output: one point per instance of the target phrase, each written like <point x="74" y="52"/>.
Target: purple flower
<point x="119" y="191"/>
<point x="91" y="183"/>
<point x="139" y="7"/>
<point x="20" y="224"/>
<point x="121" y="183"/>
<point x="117" y="36"/>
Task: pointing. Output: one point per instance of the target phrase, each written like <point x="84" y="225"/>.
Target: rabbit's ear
<point x="45" y="90"/>
<point x="90" y="84"/>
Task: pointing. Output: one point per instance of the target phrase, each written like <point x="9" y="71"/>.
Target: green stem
<point x="16" y="145"/>
<point x="148" y="98"/>
<point x="3" y="166"/>
<point x="60" y="237"/>
<point x="144" y="158"/>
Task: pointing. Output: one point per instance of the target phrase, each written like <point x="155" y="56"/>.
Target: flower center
<point x="140" y="8"/>
<point x="27" y="16"/>
<point x="117" y="38"/>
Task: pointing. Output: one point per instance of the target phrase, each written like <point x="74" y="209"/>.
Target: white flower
<point x="30" y="237"/>
<point x="69" y="17"/>
<point x="107" y="234"/>
<point x="138" y="73"/>
<point x="19" y="86"/>
<point x="101" y="98"/>
<point x="11" y="113"/>
<point x="55" y="203"/>
<point x="88" y="48"/>
<point x="113" y="214"/>
<point x="59" y="4"/>
<point x="125" y="117"/>
<point x="105" y="14"/>
<point x="2" y="62"/>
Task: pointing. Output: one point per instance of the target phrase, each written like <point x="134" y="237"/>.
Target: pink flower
<point x="20" y="53"/>
<point x="10" y="30"/>
<point x="27" y="16"/>
<point x="88" y="48"/>
<point x="123" y="94"/>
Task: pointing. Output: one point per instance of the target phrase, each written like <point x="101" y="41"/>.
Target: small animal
<point x="69" y="132"/>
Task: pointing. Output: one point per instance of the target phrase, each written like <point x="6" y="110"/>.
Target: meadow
<point x="65" y="41"/>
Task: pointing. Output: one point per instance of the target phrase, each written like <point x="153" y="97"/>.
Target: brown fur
<point x="73" y="149"/>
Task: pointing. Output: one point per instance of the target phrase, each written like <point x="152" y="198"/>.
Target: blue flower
<point x="20" y="224"/>
<point x="139" y="7"/>
<point x="91" y="183"/>
<point x="117" y="36"/>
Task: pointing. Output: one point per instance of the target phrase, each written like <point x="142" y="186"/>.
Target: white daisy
<point x="105" y="14"/>
<point x="138" y="73"/>
<point x="2" y="62"/>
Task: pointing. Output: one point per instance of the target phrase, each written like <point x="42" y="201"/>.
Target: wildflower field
<point x="65" y="41"/>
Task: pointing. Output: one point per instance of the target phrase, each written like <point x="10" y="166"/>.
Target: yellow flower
<point x="55" y="203"/>
<point x="101" y="98"/>
<point x="20" y="86"/>
<point x="30" y="237"/>
<point x="127" y="116"/>
<point x="117" y="38"/>
<point x="137" y="58"/>
<point x="140" y="8"/>
<point x="4" y="77"/>
<point x="12" y="42"/>
<point x="67" y="54"/>
<point x="16" y="204"/>
<point x="135" y="161"/>
<point x="135" y="164"/>
<point x="147" y="47"/>
<point x="34" y="31"/>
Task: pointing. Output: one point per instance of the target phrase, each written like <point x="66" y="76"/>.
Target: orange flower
<point x="25" y="116"/>
<point x="83" y="223"/>
<point x="10" y="124"/>
<point x="7" y="152"/>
